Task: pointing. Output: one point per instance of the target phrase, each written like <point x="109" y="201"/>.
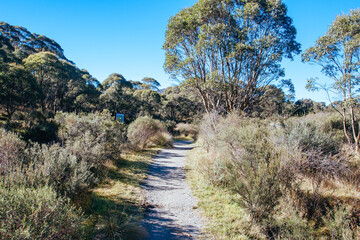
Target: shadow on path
<point x="171" y="213"/>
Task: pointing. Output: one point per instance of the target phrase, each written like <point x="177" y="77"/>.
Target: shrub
<point x="340" y="224"/>
<point x="38" y="213"/>
<point x="187" y="129"/>
<point x="247" y="163"/>
<point x="59" y="168"/>
<point x="145" y="130"/>
<point x="11" y="150"/>
<point x="308" y="136"/>
<point x="161" y="139"/>
<point x="255" y="172"/>
<point x="92" y="138"/>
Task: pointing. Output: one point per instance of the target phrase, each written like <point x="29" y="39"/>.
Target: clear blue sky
<point x="123" y="36"/>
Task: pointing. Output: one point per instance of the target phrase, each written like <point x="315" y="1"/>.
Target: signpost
<point x="119" y="116"/>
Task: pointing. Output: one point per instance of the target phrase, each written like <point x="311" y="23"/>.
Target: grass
<point x="226" y="219"/>
<point x="118" y="200"/>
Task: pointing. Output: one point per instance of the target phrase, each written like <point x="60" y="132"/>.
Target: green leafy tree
<point x="18" y="89"/>
<point x="338" y="53"/>
<point x="116" y="79"/>
<point x="60" y="80"/>
<point x="150" y="101"/>
<point x="120" y="100"/>
<point x="88" y="99"/>
<point x="26" y="43"/>
<point x="227" y="50"/>
<point x="180" y="105"/>
<point x="150" y="83"/>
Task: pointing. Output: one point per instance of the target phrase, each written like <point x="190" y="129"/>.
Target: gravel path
<point x="172" y="208"/>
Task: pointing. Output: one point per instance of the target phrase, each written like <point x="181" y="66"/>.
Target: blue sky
<point x="108" y="36"/>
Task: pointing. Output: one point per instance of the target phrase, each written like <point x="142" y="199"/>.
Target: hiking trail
<point x="172" y="208"/>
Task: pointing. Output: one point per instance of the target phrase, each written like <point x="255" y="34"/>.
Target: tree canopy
<point x="27" y="43"/>
<point x="225" y="50"/>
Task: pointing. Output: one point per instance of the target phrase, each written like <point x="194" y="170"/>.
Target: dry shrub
<point x="187" y="129"/>
<point x="266" y="167"/>
<point x="11" y="150"/>
<point x="145" y="131"/>
<point x="161" y="139"/>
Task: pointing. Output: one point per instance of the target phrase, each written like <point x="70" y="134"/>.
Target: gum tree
<point x="229" y="49"/>
<point x="338" y="53"/>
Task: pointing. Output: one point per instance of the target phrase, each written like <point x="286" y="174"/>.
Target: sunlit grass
<point x="225" y="218"/>
<point x="119" y="195"/>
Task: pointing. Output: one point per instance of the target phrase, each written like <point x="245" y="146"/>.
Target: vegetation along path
<point x="172" y="208"/>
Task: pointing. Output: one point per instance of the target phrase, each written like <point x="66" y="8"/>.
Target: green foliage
<point x="28" y="43"/>
<point x="150" y="83"/>
<point x="120" y="100"/>
<point x="57" y="167"/>
<point x="38" y="213"/>
<point x="340" y="224"/>
<point x="150" y="101"/>
<point x="211" y="46"/>
<point x="41" y="132"/>
<point x="18" y="89"/>
<point x="116" y="79"/>
<point x="308" y="136"/>
<point x="92" y="138"/>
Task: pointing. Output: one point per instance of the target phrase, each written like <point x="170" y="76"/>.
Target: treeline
<point x="37" y="81"/>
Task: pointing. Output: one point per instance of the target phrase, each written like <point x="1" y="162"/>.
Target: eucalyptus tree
<point x="18" y="89"/>
<point x="150" y="101"/>
<point x="26" y="43"/>
<point x="87" y="95"/>
<point x="59" y="79"/>
<point x="120" y="100"/>
<point x="116" y="79"/>
<point x="150" y="83"/>
<point x="338" y="54"/>
<point x="227" y="49"/>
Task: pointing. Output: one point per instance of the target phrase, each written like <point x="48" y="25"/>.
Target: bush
<point x="247" y="163"/>
<point x="38" y="213"/>
<point x="161" y="139"/>
<point x="187" y="129"/>
<point x="58" y="167"/>
<point x="92" y="138"/>
<point x="144" y="131"/>
<point x="308" y="136"/>
<point x="11" y="151"/>
<point x="340" y="224"/>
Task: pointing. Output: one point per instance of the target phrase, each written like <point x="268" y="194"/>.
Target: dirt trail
<point x="172" y="212"/>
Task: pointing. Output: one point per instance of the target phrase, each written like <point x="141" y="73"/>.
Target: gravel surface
<point x="172" y="208"/>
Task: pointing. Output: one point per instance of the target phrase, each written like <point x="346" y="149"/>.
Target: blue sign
<point x="119" y="116"/>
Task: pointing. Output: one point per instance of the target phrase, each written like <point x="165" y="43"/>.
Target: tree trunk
<point x="344" y="126"/>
